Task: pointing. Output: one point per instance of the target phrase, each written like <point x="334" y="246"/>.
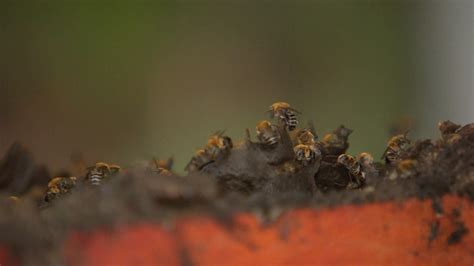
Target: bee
<point x="449" y="131"/>
<point x="359" y="167"/>
<point x="367" y="162"/>
<point x="162" y="167"/>
<point x="267" y="133"/>
<point x="198" y="161"/>
<point x="396" y="146"/>
<point x="58" y="187"/>
<point x="355" y="170"/>
<point x="306" y="154"/>
<point x="404" y="169"/>
<point x="336" y="142"/>
<point x="218" y="145"/>
<point x="285" y="114"/>
<point x="100" y="171"/>
<point x="306" y="137"/>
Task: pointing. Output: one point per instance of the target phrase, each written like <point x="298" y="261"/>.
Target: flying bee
<point x="59" y="186"/>
<point x="396" y="146"/>
<point x="267" y="133"/>
<point x="306" y="154"/>
<point x="285" y="114"/>
<point x="100" y="171"/>
<point x="336" y="142"/>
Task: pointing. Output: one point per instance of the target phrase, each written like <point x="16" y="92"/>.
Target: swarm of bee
<point x="96" y="174"/>
<point x="401" y="156"/>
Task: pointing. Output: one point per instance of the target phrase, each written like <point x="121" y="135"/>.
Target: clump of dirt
<point x="250" y="177"/>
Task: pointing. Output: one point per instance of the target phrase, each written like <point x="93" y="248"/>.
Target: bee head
<point x="263" y="126"/>
<point x="102" y="168"/>
<point x="279" y="106"/>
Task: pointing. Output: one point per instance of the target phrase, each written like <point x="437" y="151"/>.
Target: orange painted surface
<point x="375" y="234"/>
<point x="6" y="258"/>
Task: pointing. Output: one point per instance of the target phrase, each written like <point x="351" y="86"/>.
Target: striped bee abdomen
<point x="290" y="120"/>
<point x="269" y="140"/>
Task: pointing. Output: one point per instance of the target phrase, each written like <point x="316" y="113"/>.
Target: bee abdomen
<point x="270" y="141"/>
<point x="292" y="121"/>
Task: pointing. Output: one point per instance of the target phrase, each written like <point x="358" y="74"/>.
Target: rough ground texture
<point x="250" y="179"/>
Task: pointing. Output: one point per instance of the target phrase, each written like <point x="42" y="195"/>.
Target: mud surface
<point x="251" y="178"/>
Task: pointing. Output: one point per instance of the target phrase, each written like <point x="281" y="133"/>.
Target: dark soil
<point x="252" y="178"/>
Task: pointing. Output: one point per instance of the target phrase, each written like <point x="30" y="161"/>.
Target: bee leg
<point x="205" y="164"/>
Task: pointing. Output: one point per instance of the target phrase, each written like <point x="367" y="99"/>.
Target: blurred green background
<point x="122" y="81"/>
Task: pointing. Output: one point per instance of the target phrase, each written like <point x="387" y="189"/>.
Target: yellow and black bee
<point x="306" y="137"/>
<point x="198" y="161"/>
<point x="218" y="146"/>
<point x="100" y="171"/>
<point x="162" y="167"/>
<point x="396" y="146"/>
<point x="58" y="187"/>
<point x="359" y="168"/>
<point x="285" y="114"/>
<point x="305" y="154"/>
<point x="336" y="142"/>
<point x="267" y="133"/>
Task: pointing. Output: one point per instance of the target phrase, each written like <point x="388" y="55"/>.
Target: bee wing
<point x="155" y="161"/>
<point x="384" y="153"/>
<point x="270" y="113"/>
<point x="170" y="162"/>
<point x="188" y="165"/>
<point x="219" y="133"/>
<point x="312" y="129"/>
<point x="294" y="110"/>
